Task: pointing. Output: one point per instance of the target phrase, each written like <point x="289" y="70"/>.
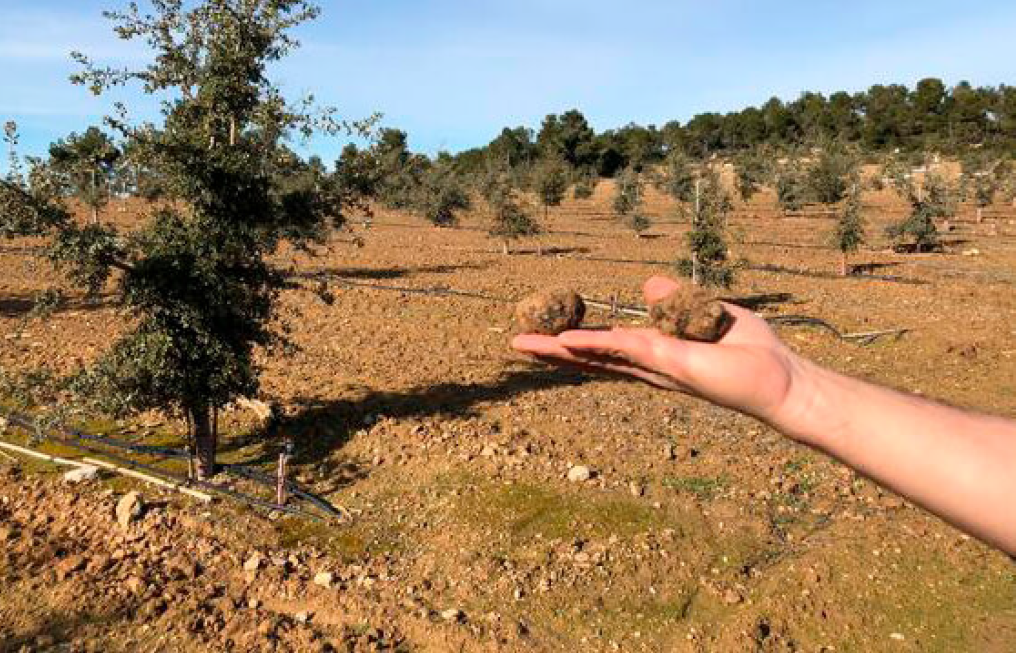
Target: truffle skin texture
<point x="550" y="312"/>
<point x="690" y="313"/>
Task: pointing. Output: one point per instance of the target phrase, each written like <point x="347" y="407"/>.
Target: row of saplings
<point x="831" y="178"/>
<point x="197" y="277"/>
<point x="89" y="165"/>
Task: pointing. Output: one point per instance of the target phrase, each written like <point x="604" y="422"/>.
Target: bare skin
<point x="956" y="464"/>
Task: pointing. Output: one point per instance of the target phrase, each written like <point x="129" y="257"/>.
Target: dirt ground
<point x="700" y="530"/>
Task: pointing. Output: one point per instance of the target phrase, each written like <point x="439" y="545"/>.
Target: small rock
<point x="973" y="251"/>
<point x="135" y="585"/>
<point x="129" y="508"/>
<point x="81" y="474"/>
<point x="488" y="452"/>
<point x="303" y="616"/>
<point x="636" y="489"/>
<point x="579" y="473"/>
<point x="266" y="628"/>
<point x="669" y="453"/>
<point x="182" y="568"/>
<point x="730" y="597"/>
<point x="324" y="579"/>
<point x="253" y="604"/>
<point x="453" y="614"/>
<point x="252" y="563"/>
<point x="897" y="636"/>
<point x="68" y="566"/>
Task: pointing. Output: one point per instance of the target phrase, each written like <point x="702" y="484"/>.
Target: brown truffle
<point x="550" y="312"/>
<point x="690" y="313"/>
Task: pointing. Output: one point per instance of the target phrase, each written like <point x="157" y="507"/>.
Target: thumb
<point x="657" y="287"/>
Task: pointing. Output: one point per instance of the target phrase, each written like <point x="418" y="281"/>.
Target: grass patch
<point x="525" y="510"/>
<point x="349" y="543"/>
<point x="702" y="487"/>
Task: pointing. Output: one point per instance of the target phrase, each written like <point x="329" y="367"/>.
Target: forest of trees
<point x="929" y="117"/>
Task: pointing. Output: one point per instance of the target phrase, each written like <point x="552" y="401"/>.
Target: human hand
<point x="749" y="369"/>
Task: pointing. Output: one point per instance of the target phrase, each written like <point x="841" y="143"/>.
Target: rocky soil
<point x="495" y="505"/>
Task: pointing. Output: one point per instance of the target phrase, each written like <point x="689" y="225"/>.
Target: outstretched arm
<point x="957" y="464"/>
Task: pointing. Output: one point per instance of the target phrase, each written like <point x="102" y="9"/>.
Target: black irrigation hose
<point x="28" y="424"/>
<point x="436" y="290"/>
<point x="239" y="470"/>
<point x="804" y="320"/>
<point x="765" y="267"/>
<point x="779" y="320"/>
<point x="267" y="480"/>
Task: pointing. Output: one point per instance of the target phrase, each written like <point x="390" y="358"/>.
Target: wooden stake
<point x="280" y="488"/>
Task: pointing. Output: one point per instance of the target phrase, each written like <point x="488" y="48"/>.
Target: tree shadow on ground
<point x="319" y="428"/>
<point x="768" y="243"/>
<point x="832" y="276"/>
<point x="955" y="242"/>
<point x="56" y="629"/>
<point x="761" y="300"/>
<point x="397" y="272"/>
<point x="20" y="305"/>
<point x="550" y="251"/>
<point x="861" y="269"/>
<point x="914" y="248"/>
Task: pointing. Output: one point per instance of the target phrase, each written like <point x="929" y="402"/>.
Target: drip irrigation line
<point x="31" y="425"/>
<point x="550" y="232"/>
<point x="864" y="338"/>
<point x="766" y="267"/>
<point x="230" y="468"/>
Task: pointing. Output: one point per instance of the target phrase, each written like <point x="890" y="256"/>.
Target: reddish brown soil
<point x="700" y="530"/>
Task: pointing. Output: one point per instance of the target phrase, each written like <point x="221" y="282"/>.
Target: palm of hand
<point x="749" y="369"/>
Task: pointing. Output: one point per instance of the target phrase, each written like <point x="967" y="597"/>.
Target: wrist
<point x="814" y="410"/>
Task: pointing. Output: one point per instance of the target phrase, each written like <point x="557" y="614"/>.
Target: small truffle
<point x="550" y="312"/>
<point x="690" y="313"/>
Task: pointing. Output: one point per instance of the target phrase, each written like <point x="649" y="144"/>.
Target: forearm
<point x="959" y="465"/>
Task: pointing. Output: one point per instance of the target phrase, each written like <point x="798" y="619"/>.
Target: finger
<point x="656" y="288"/>
<point x="549" y="349"/>
<point x="624" y="344"/>
<point x="602" y="365"/>
<point x="537" y="345"/>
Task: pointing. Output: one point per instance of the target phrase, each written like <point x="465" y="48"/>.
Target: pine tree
<point x="848" y="234"/>
<point x="509" y="219"/>
<point x="708" y="264"/>
<point x="551" y="183"/>
<point x="789" y="181"/>
<point x="678" y="178"/>
<point x="628" y="199"/>
<point x="585" y="184"/>
<point x="827" y="179"/>
<point x="85" y="163"/>
<point x="752" y="168"/>
<point x="441" y="196"/>
<point x="934" y="199"/>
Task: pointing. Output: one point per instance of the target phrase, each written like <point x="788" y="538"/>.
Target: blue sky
<point x="454" y="72"/>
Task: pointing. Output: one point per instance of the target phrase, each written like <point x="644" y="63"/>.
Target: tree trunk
<point x="94" y="198"/>
<point x="205" y="441"/>
<point x="694" y="225"/>
<point x="843" y="264"/>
